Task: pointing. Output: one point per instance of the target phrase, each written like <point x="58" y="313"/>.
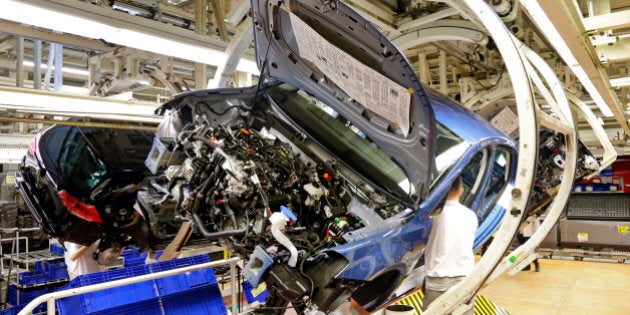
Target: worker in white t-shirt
<point x="449" y="256"/>
<point x="80" y="259"/>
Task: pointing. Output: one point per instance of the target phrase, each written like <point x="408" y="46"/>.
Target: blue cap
<point x="288" y="213"/>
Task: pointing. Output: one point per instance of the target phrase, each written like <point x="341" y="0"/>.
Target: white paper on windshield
<point x="373" y="90"/>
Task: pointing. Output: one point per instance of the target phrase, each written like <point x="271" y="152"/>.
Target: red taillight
<point x="80" y="209"/>
<point x="33" y="146"/>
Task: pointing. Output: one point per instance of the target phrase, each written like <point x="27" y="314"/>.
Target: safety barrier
<point x="50" y="298"/>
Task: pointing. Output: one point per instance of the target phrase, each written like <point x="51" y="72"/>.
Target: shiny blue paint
<point x="383" y="249"/>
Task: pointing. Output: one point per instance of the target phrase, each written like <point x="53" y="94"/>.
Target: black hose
<point x="214" y="235"/>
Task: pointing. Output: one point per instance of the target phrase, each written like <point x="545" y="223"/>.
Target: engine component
<point x="278" y="221"/>
<point x="288" y="282"/>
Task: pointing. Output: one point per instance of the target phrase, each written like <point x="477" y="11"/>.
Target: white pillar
<point x="443" y="80"/>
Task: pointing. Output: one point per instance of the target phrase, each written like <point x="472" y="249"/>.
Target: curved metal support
<point x="559" y="103"/>
<point x="610" y="154"/>
<point x="528" y="151"/>
<point x="235" y="51"/>
<point x="441" y="30"/>
<point x="487" y="97"/>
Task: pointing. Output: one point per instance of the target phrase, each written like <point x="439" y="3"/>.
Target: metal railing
<point x="16" y="244"/>
<point x="50" y="298"/>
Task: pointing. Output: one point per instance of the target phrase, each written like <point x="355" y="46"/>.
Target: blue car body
<point x="385" y="251"/>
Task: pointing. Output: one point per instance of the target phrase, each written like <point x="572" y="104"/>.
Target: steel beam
<point x="615" y="52"/>
<point x="124" y="29"/>
<point x="235" y="50"/>
<point x="238" y="11"/>
<point x="9" y="27"/>
<point x="609" y="21"/>
<point x="16" y="100"/>
<point x="573" y="34"/>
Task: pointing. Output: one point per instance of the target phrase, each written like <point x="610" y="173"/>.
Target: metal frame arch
<point x="481" y="12"/>
<point x="525" y="253"/>
<point x="235" y="51"/>
<point x="610" y="154"/>
<point x="441" y="30"/>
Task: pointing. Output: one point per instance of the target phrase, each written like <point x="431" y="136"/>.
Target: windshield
<point x="79" y="165"/>
<point x="449" y="148"/>
<point x="341" y="138"/>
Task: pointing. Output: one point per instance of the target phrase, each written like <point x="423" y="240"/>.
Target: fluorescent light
<point x="64" y="69"/>
<point x="37" y="16"/>
<point x="556" y="40"/>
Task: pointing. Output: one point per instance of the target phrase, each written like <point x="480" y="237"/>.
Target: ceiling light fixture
<point x="71" y="24"/>
<point x="84" y="72"/>
<point x="558" y="43"/>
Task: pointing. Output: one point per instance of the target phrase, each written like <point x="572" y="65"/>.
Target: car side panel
<point x="372" y="254"/>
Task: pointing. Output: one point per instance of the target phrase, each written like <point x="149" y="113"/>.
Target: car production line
<point x="571" y="156"/>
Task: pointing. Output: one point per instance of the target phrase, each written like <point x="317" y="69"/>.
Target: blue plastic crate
<point x="148" y="307"/>
<point x="58" y="274"/>
<point x="31" y="277"/>
<point x="39" y="267"/>
<point x="109" y="275"/>
<point x="122" y="300"/>
<point x="258" y="294"/>
<point x="56" y="249"/>
<point x="11" y="310"/>
<point x="131" y="251"/>
<point x="25" y="296"/>
<point x="54" y="270"/>
<point x="134" y="260"/>
<point x="181" y="282"/>
<point x="202" y="300"/>
<point x="102" y="300"/>
<point x="178" y="263"/>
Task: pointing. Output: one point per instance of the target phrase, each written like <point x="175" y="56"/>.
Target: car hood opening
<point x="331" y="51"/>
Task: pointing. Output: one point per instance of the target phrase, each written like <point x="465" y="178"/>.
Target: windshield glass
<point x="79" y="165"/>
<point x="344" y="140"/>
<point x="449" y="148"/>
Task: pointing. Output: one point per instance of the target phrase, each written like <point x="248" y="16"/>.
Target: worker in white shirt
<point x="80" y="259"/>
<point x="449" y="256"/>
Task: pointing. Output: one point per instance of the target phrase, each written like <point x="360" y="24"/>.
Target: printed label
<point x="370" y="88"/>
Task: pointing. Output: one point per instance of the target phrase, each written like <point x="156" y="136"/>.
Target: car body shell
<point x="40" y="179"/>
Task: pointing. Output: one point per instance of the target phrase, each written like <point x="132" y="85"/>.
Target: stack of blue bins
<point x="35" y="283"/>
<point x="133" y="257"/>
<point x="196" y="292"/>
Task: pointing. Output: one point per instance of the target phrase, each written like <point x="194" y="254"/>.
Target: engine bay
<point x="229" y="174"/>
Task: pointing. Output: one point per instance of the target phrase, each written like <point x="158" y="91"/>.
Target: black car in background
<point x="80" y="183"/>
